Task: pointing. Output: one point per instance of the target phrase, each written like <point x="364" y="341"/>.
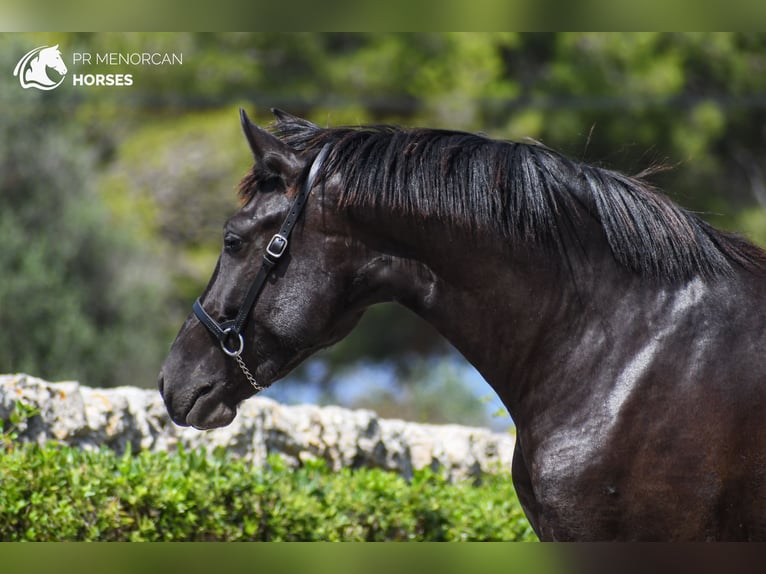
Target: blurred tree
<point x="76" y="299"/>
<point x="695" y="102"/>
<point x="178" y="196"/>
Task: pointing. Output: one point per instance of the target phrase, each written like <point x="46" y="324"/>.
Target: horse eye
<point x="232" y="243"/>
<point x="270" y="185"/>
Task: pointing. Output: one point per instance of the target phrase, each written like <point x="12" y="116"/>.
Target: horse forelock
<point x="521" y="191"/>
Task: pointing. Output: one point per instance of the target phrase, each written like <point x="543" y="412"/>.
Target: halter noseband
<point x="229" y="332"/>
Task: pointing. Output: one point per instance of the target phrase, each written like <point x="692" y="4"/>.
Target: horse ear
<point x="284" y="118"/>
<point x="269" y="151"/>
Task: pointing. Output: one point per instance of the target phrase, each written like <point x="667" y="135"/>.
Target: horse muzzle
<point x="203" y="406"/>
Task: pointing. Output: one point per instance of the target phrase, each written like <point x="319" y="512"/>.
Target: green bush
<point x="62" y="493"/>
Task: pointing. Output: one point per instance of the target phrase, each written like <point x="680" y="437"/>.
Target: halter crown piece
<point x="229" y="332"/>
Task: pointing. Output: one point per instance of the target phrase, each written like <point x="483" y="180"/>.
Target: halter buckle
<point x="277" y="246"/>
<point x="236" y="352"/>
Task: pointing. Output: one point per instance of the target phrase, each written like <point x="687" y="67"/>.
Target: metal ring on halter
<point x="237" y="352"/>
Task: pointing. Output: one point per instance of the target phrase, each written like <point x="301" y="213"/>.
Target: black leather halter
<point x="229" y="332"/>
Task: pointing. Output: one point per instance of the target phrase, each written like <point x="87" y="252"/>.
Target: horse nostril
<point x="161" y="384"/>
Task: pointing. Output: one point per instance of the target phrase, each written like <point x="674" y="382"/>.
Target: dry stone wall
<point x="89" y="418"/>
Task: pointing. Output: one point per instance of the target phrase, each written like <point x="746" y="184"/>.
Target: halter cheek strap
<point x="229" y="332"/>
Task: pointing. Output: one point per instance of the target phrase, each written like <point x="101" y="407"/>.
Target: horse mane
<point x="524" y="191"/>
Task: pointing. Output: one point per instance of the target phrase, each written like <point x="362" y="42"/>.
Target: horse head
<point x="32" y="69"/>
<point x="310" y="295"/>
<point x="51" y="58"/>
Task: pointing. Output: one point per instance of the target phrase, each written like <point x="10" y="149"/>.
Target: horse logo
<point x="32" y="69"/>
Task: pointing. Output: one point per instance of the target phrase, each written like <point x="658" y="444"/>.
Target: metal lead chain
<point x="247" y="373"/>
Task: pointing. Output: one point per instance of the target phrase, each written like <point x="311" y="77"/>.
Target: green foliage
<point x="60" y="493"/>
<point x="19" y="415"/>
<point x="181" y="194"/>
<point x="76" y="287"/>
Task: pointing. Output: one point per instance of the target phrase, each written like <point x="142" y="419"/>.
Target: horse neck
<point x="509" y="311"/>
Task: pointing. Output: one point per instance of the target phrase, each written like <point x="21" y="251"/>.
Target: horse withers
<point x="625" y="336"/>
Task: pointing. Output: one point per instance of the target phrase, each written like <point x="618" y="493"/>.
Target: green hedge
<point x="63" y="493"/>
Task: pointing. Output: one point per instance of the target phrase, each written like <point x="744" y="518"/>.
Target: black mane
<point x="525" y="192"/>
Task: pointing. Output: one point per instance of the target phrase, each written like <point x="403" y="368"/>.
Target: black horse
<point x="626" y="337"/>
